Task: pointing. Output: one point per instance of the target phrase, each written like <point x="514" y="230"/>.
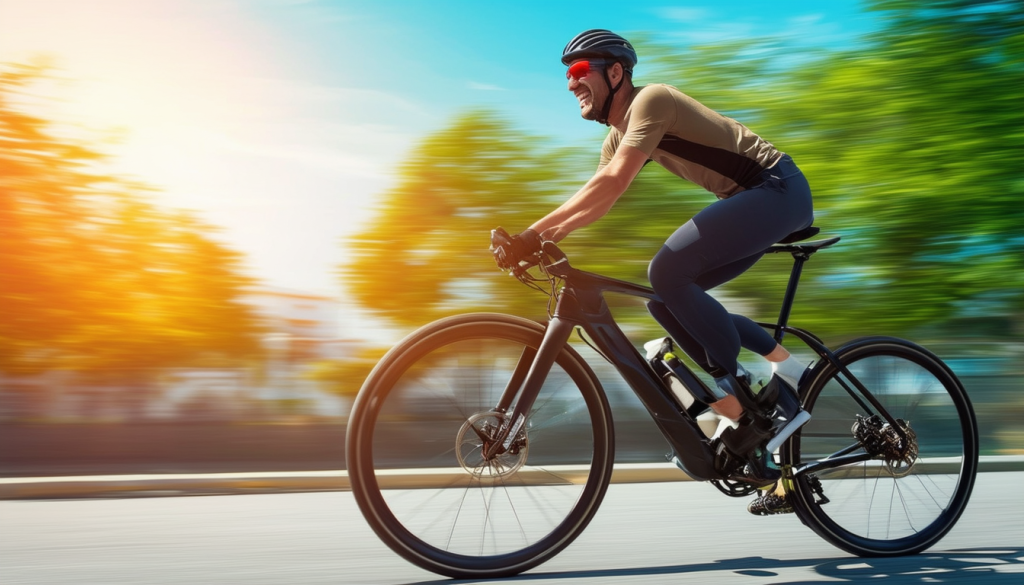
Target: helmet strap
<point x="607" y="108"/>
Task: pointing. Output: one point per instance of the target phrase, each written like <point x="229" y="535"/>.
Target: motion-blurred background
<point x="216" y="216"/>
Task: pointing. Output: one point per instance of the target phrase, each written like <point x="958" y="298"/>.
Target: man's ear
<point x="615" y="74"/>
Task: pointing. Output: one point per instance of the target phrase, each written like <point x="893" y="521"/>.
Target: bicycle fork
<point x="530" y="373"/>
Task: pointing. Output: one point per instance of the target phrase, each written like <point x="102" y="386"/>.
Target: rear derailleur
<point x="882" y="441"/>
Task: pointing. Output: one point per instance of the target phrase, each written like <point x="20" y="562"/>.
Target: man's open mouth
<point x="583" y="97"/>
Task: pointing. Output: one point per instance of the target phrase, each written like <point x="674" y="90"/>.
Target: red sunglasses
<point x="581" y="69"/>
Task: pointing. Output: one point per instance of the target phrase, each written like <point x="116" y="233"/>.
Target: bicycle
<point x="520" y="429"/>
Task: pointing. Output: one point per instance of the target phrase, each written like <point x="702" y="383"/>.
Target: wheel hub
<point x="882" y="441"/>
<point x="477" y="435"/>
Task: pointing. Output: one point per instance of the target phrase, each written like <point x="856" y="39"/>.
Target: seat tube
<point x="555" y="338"/>
<point x="787" y="301"/>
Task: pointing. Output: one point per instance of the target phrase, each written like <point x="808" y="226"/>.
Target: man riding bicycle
<point x="762" y="198"/>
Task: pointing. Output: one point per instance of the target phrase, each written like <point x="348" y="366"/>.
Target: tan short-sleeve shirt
<point x="692" y="141"/>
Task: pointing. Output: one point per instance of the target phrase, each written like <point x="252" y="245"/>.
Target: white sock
<point x="790" y="370"/>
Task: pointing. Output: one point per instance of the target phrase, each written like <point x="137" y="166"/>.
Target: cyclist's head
<point x="603" y="44"/>
<point x="597" y="49"/>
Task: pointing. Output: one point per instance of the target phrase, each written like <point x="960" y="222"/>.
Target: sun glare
<point x="141" y="78"/>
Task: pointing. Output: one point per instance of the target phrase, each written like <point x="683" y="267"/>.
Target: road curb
<point x="120" y="486"/>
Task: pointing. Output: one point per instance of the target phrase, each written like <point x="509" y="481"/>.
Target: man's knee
<point x="669" y="270"/>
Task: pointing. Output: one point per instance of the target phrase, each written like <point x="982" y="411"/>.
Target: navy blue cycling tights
<point x="718" y="244"/>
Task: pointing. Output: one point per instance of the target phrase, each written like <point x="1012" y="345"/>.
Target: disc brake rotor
<point x="477" y="435"/>
<point x="901" y="454"/>
<point x="882" y="441"/>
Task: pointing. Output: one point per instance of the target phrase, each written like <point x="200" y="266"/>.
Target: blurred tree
<point x="426" y="253"/>
<point x="910" y="141"/>
<point x="913" y="146"/>
<point x="92" y="276"/>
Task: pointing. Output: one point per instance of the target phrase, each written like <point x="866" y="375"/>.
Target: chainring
<point x="734" y="488"/>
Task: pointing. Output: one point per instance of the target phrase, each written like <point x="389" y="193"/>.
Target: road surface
<point x="683" y="532"/>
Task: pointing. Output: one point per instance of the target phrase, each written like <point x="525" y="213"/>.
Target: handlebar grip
<point x="502" y="245"/>
<point x="551" y="249"/>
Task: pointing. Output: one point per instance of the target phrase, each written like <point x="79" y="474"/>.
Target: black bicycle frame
<point x="801" y="254"/>
<point x="581" y="304"/>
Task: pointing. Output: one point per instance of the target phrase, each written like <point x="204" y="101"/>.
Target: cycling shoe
<point x="770" y="504"/>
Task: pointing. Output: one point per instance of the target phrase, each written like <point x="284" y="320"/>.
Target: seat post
<point x="787" y="302"/>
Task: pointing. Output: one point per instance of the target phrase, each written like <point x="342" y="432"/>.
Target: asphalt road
<point x="682" y="532"/>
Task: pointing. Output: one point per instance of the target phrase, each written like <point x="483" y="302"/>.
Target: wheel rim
<point x="427" y="460"/>
<point x="911" y="492"/>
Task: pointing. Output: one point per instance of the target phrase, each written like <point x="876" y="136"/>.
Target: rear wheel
<point x="418" y="431"/>
<point x="899" y="493"/>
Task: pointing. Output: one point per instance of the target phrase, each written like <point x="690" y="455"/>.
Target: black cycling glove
<point x="509" y="253"/>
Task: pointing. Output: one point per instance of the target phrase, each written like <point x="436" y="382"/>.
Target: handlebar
<point x="546" y="259"/>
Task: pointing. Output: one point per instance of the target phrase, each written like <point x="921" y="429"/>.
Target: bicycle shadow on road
<point x="982" y="566"/>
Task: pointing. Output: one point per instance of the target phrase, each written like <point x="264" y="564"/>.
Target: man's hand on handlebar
<point x="509" y="251"/>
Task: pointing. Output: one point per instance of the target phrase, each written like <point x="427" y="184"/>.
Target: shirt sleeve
<point x="608" y="148"/>
<point x="653" y="113"/>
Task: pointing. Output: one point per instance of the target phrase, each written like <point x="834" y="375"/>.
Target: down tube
<point x="683" y="434"/>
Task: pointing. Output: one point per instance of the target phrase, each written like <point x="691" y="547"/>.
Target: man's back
<point x="691" y="140"/>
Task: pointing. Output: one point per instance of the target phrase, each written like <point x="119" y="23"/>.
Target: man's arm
<point x="595" y="198"/>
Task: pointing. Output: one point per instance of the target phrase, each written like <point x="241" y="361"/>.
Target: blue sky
<point x="447" y="56"/>
<point x="282" y="121"/>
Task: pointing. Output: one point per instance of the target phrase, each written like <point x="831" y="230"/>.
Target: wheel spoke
<point x="930" y="459"/>
<point x="434" y="413"/>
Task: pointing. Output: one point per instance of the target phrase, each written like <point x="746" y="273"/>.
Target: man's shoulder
<point x="655" y="90"/>
<point x="658" y="96"/>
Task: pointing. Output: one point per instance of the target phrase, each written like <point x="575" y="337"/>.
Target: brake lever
<point x="499" y="238"/>
<point x="501" y="244"/>
<point x="526" y="264"/>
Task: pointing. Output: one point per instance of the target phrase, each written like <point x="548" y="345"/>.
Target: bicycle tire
<point x="893" y="506"/>
<point x="540" y="506"/>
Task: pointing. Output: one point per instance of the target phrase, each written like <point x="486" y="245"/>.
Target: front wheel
<point x="861" y="484"/>
<point x="416" y="441"/>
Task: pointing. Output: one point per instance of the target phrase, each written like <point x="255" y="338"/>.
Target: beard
<point x="589" y="108"/>
<point x="589" y="112"/>
<point x="594" y="110"/>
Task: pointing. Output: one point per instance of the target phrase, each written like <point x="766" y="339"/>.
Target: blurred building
<point x="301" y="329"/>
<point x="302" y="326"/>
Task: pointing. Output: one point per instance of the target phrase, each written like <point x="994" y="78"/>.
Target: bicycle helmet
<point x="599" y="43"/>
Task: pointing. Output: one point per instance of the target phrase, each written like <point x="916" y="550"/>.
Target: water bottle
<point x="680" y="382"/>
<point x="679" y="392"/>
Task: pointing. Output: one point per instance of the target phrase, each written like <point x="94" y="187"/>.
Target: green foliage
<point x="426" y="254"/>
<point x="911" y="142"/>
<point x="95" y="278"/>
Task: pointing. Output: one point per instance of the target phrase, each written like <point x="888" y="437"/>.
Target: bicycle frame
<point x="581" y="304"/>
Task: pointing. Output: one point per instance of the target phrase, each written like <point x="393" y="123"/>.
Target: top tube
<point x="591" y="281"/>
